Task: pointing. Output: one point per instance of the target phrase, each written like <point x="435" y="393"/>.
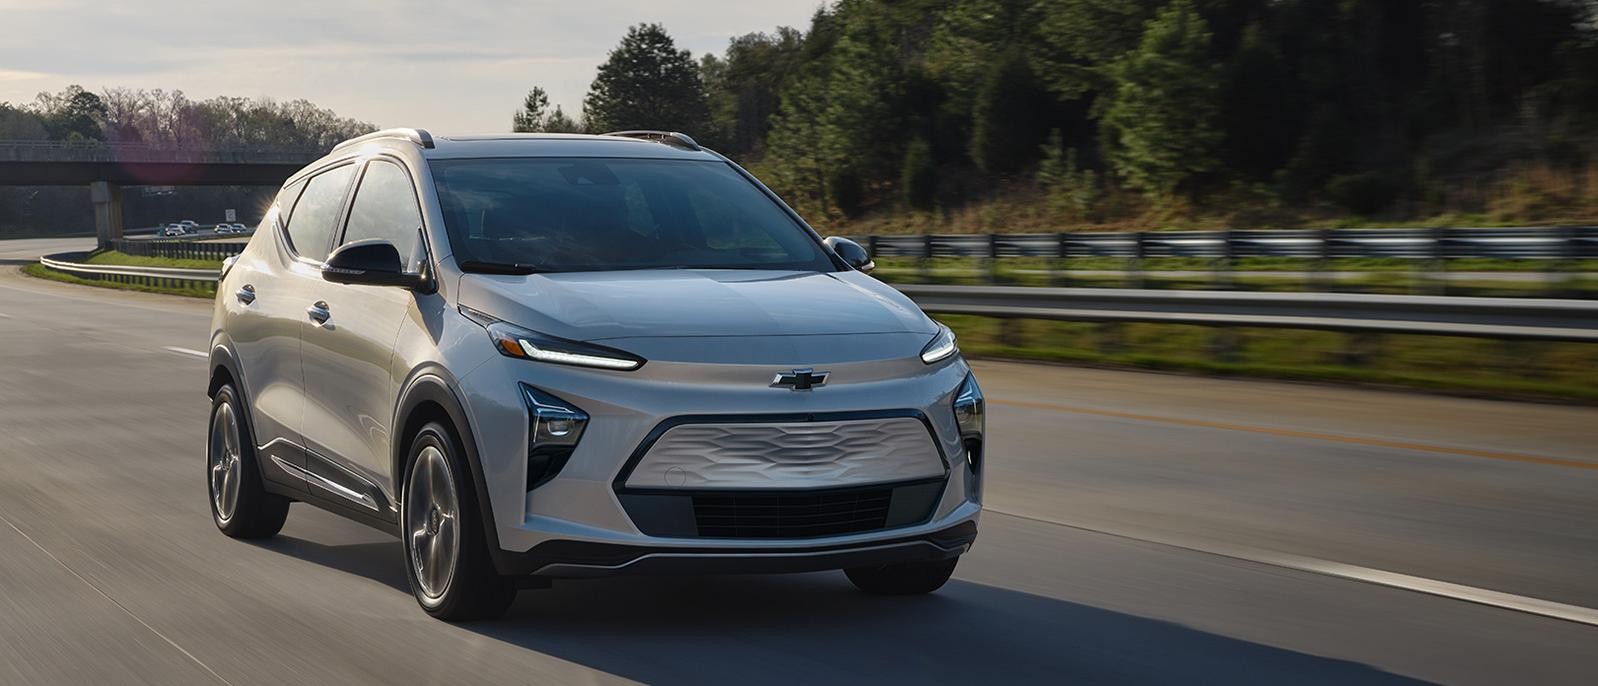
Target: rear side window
<point x="287" y="197"/>
<point x="313" y="220"/>
<point x="385" y="207"/>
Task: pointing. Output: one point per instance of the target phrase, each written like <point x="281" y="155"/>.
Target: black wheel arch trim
<point x="435" y="384"/>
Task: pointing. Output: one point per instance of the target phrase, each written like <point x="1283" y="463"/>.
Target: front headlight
<point x="941" y="346"/>
<point x="513" y="341"/>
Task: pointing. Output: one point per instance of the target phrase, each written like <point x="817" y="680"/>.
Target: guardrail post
<point x="1135" y="265"/>
<point x="1437" y="280"/>
<point x="925" y="262"/>
<point x="1060" y="267"/>
<point x="1319" y="279"/>
<point x="993" y="258"/>
<point x="1223" y="265"/>
<point x="1566" y="273"/>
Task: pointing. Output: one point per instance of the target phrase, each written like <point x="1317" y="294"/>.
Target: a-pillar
<point x="107" y="199"/>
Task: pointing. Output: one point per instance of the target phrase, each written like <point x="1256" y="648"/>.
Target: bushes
<point x="1363" y="194"/>
<point x="919" y="178"/>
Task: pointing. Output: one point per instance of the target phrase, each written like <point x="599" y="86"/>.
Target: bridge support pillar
<point x="107" y="199"/>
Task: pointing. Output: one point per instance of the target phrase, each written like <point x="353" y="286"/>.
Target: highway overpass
<point x="107" y="167"/>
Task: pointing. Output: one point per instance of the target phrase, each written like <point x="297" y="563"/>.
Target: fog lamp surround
<point x="554" y="427"/>
<point x="970" y="414"/>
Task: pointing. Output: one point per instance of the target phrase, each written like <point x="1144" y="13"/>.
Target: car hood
<point x="594" y="306"/>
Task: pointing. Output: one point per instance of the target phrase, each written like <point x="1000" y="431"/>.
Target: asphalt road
<point x="1142" y="528"/>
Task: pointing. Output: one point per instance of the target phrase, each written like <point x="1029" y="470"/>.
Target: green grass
<point x="1566" y="372"/>
<point x="192" y="291"/>
<point x="113" y="257"/>
<point x="1368" y="275"/>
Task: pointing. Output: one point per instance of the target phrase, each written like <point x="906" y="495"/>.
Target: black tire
<point x="472" y="588"/>
<point x="911" y="578"/>
<point x="255" y="513"/>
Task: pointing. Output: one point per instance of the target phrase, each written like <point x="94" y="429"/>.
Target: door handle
<point x="319" y="312"/>
<point x="246" y="294"/>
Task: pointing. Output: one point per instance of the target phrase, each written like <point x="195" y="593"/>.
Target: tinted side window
<point x="385" y="207"/>
<point x="312" y="222"/>
<point x="286" y="199"/>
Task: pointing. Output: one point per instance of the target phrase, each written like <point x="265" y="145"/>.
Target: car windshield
<point x="600" y="214"/>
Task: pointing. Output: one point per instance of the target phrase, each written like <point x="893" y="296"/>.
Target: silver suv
<point x="554" y="356"/>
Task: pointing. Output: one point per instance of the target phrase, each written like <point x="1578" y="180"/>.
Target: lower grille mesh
<point x="791" y="515"/>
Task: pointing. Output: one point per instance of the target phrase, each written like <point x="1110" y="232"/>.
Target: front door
<point x="348" y="346"/>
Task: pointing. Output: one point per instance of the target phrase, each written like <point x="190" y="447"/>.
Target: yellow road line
<point x="1311" y="435"/>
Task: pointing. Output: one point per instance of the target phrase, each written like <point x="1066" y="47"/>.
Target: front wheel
<point x="910" y="578"/>
<point x="446" y="549"/>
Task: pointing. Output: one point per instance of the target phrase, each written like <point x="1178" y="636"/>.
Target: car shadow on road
<point x="815" y="628"/>
<point x="379" y="561"/>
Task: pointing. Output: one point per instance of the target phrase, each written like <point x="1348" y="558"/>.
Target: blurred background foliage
<point x="1015" y="115"/>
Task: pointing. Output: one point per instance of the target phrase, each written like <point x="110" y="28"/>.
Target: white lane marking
<point x="1469" y="594"/>
<point x="4" y="315"/>
<point x="184" y="351"/>
<point x="113" y="601"/>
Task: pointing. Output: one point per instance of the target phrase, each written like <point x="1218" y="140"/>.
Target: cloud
<point x="460" y="66"/>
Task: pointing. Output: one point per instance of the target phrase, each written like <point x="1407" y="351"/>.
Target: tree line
<point x="1099" y="107"/>
<point x="164" y="118"/>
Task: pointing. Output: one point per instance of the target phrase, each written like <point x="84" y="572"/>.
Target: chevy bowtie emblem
<point x="800" y="379"/>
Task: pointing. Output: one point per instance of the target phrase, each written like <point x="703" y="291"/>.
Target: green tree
<point x="72" y="114"/>
<point x="919" y="178"/>
<point x="647" y="83"/>
<point x="1008" y="120"/>
<point x="1161" y="120"/>
<point x="536" y="116"/>
<point x="744" y="88"/>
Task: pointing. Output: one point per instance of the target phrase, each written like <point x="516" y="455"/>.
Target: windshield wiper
<point x="481" y="267"/>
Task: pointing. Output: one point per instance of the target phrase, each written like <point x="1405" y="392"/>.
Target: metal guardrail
<point x="150" y="276"/>
<point x="1550" y="243"/>
<point x="1501" y="318"/>
<point x="183" y="249"/>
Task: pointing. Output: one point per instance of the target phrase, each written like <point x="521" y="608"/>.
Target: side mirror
<point x="851" y="253"/>
<point x="372" y="262"/>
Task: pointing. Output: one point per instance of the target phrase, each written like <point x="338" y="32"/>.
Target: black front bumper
<point x="585" y="559"/>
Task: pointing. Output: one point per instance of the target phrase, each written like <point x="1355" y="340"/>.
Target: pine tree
<point x="1161" y="120"/>
<point x="647" y="83"/>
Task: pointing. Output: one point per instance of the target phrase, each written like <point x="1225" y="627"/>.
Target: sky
<point x="449" y="66"/>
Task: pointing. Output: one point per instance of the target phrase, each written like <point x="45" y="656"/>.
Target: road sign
<point x="230" y="215"/>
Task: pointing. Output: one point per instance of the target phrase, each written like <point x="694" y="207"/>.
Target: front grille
<point x="791" y="515"/>
<point x="782" y="514"/>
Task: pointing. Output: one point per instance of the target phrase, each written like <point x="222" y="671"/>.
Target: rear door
<point x="272" y="302"/>
<point x="350" y="390"/>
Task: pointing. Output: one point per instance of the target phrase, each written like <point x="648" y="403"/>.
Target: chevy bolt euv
<point x="536" y="357"/>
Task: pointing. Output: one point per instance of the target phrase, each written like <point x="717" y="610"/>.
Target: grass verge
<point x="1541" y="371"/>
<point x="113" y="257"/>
<point x="40" y="271"/>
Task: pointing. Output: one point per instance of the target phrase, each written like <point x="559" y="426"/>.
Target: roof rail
<point x="418" y="136"/>
<point x="671" y="138"/>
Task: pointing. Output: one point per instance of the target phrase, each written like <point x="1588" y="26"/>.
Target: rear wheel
<point x="446" y="549"/>
<point x="911" y="578"/>
<point x="240" y="505"/>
